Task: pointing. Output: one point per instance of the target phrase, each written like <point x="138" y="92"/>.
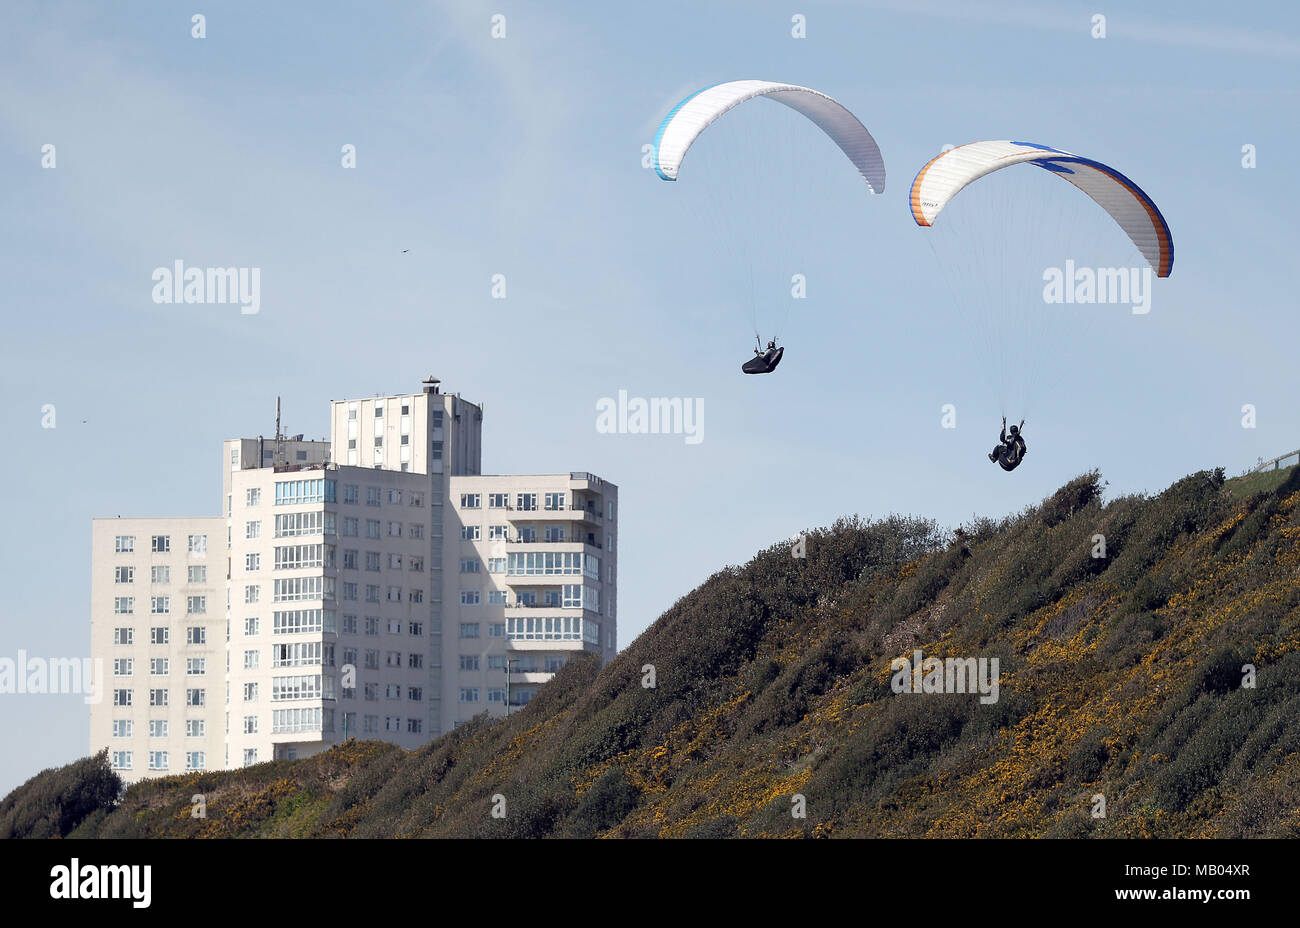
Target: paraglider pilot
<point x="1010" y="450"/>
<point x="764" y="362"/>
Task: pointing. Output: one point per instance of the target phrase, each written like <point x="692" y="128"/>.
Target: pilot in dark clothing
<point x="764" y="362"/>
<point x="1010" y="450"/>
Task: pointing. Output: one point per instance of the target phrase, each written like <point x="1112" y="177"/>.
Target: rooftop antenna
<point x="279" y="457"/>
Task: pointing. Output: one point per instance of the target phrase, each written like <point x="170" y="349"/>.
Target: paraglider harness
<point x="763" y="362"/>
<point x="1011" y="448"/>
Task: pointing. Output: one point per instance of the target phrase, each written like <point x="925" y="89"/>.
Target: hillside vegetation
<point x="1121" y="678"/>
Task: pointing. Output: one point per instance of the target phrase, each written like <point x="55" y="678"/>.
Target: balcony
<point x="556" y="606"/>
<point x="543" y="579"/>
<point x="568" y="513"/>
<point x="590" y="541"/>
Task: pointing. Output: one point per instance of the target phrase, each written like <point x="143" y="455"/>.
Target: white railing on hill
<point x="1276" y="462"/>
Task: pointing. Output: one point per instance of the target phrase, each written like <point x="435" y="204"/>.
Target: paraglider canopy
<point x="1135" y="212"/>
<point x="693" y="115"/>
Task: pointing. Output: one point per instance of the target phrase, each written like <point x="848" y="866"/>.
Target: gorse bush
<point x="769" y="689"/>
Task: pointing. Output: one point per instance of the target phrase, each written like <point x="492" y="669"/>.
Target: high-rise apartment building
<point x="158" y="621"/>
<point x="373" y="586"/>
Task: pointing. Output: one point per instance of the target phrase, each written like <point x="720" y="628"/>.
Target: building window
<point x="469" y="629"/>
<point x="195" y="760"/>
<point x="124" y="636"/>
<point x="292" y="589"/>
<point x="196" y="666"/>
<point x="496" y="629"/>
<point x="295" y="492"/>
<point x="469" y="662"/>
<point x="350" y="526"/>
<point x="470" y="532"/>
<point x="124" y="575"/>
<point x="159" y="634"/>
<point x="469" y="597"/>
<point x="416" y="530"/>
<point x="554" y="501"/>
<point x="159" y="666"/>
<point x="306" y="686"/>
<point x="250" y="756"/>
<point x="469" y="694"/>
<point x="470" y="565"/>
<point x="253" y="496"/>
<point x="295" y="557"/>
<point x="469" y="500"/>
<point x="374" y="496"/>
<point x="296" y="654"/>
<point x="196" y="605"/>
<point x="122" y="728"/>
<point x="350" y="625"/>
<point x="198" y="573"/>
<point x="158" y="697"/>
<point x="252" y="530"/>
<point x="351" y="493"/>
<point x="250" y="692"/>
<point x="121" y="760"/>
<point x="250" y="626"/>
<point x="291" y="524"/>
<point x="123" y="667"/>
<point x="123" y="605"/>
<point x="544" y="563"/>
<point x="162" y="544"/>
<point x="160" y="605"/>
<point x="496" y="597"/>
<point x="195" y="728"/>
<point x="251" y="659"/>
<point x="122" y="697"/>
<point x="198" y="545"/>
<point x="526" y="501"/>
<point x="196" y="698"/>
<point x="251" y="593"/>
<point x="124" y="544"/>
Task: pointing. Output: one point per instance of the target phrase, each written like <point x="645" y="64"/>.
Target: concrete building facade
<point x="374" y="586"/>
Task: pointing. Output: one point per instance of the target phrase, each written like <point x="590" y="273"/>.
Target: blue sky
<point x="522" y="156"/>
